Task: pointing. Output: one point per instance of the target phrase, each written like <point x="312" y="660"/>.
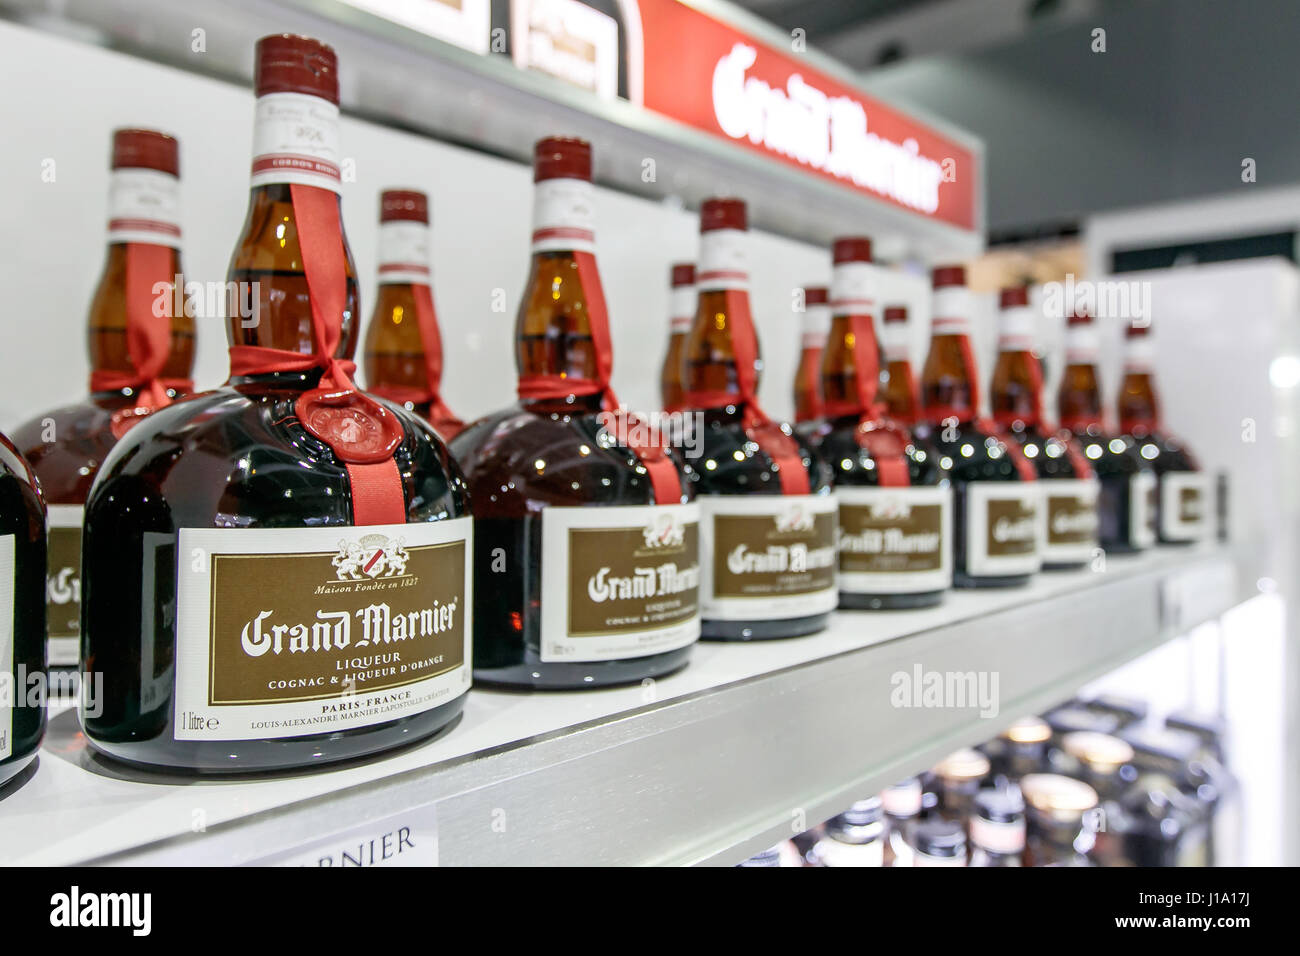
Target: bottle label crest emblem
<point x="620" y="581"/>
<point x="290" y="632"/>
<point x="895" y="540"/>
<point x="768" y="556"/>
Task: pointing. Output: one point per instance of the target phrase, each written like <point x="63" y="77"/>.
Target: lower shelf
<point x="746" y="745"/>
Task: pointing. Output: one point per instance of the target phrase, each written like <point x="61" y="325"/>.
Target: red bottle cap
<point x="895" y="313"/>
<point x="1134" y="331"/>
<point x="816" y="295"/>
<point x="1013" y="296"/>
<point x="851" y="249"/>
<point x="683" y="274"/>
<point x="561" y="157"/>
<point x="295" y="64"/>
<point x="723" y="214"/>
<point x="403" y="205"/>
<point x="945" y="276"/>
<point x="1078" y="318"/>
<point x="146" y="149"/>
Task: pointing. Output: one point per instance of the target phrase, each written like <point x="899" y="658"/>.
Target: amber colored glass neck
<point x="553" y="328"/>
<point x="394" y="351"/>
<point x="268" y="254"/>
<point x="710" y="351"/>
<point x="840" y="364"/>
<point x="670" y="380"/>
<point x="106" y="323"/>
<point x="947" y="383"/>
<point x="1015" y="395"/>
<point x="1079" y="398"/>
<point x="1138" y="407"/>
<point x="899" y="392"/>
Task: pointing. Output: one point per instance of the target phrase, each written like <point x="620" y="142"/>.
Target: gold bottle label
<point x="291" y="632"/>
<point x="895" y="540"/>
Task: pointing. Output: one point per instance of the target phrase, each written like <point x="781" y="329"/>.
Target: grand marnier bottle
<point x="403" y="355"/>
<point x="22" y="612"/>
<point x="1126" y="505"/>
<point x="586" y="541"/>
<point x="767" y="514"/>
<point x="278" y="572"/>
<point x="815" y="326"/>
<point x="895" y="502"/>
<point x="996" y="497"/>
<point x="141" y="344"/>
<point x="1183" y="497"/>
<point x="898" y="388"/>
<point x="1069" y="487"/>
<point x="682" y="309"/>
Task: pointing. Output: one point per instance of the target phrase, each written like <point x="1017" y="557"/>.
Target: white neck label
<point x="894" y="340"/>
<point x="681" y="304"/>
<point x="564" y="216"/>
<point x="1081" y="345"/>
<point x="404" y="252"/>
<point x="953" y="306"/>
<point x="1139" y="354"/>
<point x="144" y="206"/>
<point x="296" y="140"/>
<point x="816" y="326"/>
<point x="724" y="260"/>
<point x="853" y="289"/>
<point x="1016" y="329"/>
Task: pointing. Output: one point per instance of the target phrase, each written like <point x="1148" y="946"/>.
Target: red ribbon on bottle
<point x="938" y="414"/>
<point x="664" y="479"/>
<point x="362" y="433"/>
<point x="810" y="370"/>
<point x="759" y="428"/>
<point x="882" y="439"/>
<point x="148" y="337"/>
<point x="440" y="416"/>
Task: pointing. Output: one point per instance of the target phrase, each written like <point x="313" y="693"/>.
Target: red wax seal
<point x="358" y="429"/>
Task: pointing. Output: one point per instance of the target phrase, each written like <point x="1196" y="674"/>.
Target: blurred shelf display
<point x="705" y="766"/>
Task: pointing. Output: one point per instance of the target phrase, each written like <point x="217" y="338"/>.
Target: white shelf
<point x="707" y="765"/>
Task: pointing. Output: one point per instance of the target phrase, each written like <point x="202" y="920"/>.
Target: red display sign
<point x="711" y="76"/>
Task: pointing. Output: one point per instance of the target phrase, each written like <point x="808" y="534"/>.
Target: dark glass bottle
<point x="1062" y="820"/>
<point x="1127" y="497"/>
<point x="1174" y="801"/>
<point x="1105" y="763"/>
<point x="902" y="804"/>
<point x="277" y="572"/>
<point x="939" y="842"/>
<point x="956" y="780"/>
<point x="898" y="388"/>
<point x="403" y="346"/>
<point x="1069" y="487"/>
<point x="1183" y="499"/>
<point x="854" y="838"/>
<point x="22" y="612"/>
<point x="573" y="501"/>
<point x="814" y="327"/>
<point x="995" y="490"/>
<point x="767" y="513"/>
<point x="997" y="828"/>
<point x="895" y="502"/>
<point x="681" y="305"/>
<point x="1021" y="749"/>
<point x="140" y="359"/>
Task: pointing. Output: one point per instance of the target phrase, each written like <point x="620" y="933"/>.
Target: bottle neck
<point x="681" y="309"/>
<point x="1138" y="405"/>
<point x="107" y="339"/>
<point x="1016" y="396"/>
<point x="722" y="336"/>
<point x="1079" y="396"/>
<point x="851" y="366"/>
<point x="948" y="388"/>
